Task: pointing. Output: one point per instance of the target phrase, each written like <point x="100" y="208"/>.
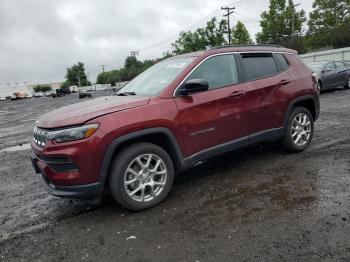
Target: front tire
<point x="141" y="176"/>
<point x="299" y="130"/>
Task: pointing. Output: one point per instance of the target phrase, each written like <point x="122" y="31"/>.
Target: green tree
<point x="340" y="37"/>
<point x="37" y="88"/>
<point x="42" y="88"/>
<point x="277" y="23"/>
<point x="65" y="85"/>
<point x="114" y="77"/>
<point x="131" y="61"/>
<point x="103" y="78"/>
<point x="329" y="24"/>
<point x="76" y="76"/>
<point x="213" y="34"/>
<point x="132" y="68"/>
<point x="240" y="35"/>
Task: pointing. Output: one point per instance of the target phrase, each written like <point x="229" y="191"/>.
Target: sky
<point x="39" y="39"/>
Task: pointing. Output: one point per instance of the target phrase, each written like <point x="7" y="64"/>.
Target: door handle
<point x="284" y="82"/>
<point x="238" y="93"/>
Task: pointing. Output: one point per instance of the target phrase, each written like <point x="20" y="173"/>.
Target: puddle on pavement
<point x="241" y="197"/>
<point x="16" y="148"/>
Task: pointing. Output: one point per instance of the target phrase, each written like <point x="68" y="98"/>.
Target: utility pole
<point x="229" y="11"/>
<point x="103" y="68"/>
<point x="78" y="77"/>
<point x="293" y="19"/>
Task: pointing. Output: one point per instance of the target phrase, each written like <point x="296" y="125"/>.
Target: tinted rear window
<point x="259" y="65"/>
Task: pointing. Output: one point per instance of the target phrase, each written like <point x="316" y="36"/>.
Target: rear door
<point x="264" y="73"/>
<point x="341" y="73"/>
<point x="329" y="76"/>
<point x="216" y="116"/>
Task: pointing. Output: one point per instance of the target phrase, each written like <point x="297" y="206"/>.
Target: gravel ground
<point x="255" y="204"/>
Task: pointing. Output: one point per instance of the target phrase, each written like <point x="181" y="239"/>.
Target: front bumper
<point x="76" y="191"/>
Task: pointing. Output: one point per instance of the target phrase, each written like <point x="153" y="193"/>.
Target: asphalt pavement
<point x="255" y="204"/>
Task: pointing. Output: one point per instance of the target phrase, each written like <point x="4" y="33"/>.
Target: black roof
<point x="247" y="45"/>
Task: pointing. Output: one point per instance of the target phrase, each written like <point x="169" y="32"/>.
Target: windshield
<point x="156" y="78"/>
<point x="316" y="67"/>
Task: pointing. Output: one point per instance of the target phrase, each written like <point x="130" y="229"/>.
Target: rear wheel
<point x="141" y="176"/>
<point x="299" y="130"/>
<point x="347" y="84"/>
<point x="320" y="85"/>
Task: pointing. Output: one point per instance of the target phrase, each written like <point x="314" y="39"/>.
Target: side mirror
<point x="194" y="86"/>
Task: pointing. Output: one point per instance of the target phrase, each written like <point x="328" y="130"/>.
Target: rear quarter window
<point x="259" y="65"/>
<point x="283" y="62"/>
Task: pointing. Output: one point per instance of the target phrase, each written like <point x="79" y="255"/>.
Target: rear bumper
<point x="77" y="191"/>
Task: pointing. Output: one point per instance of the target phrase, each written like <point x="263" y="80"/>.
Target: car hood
<point x="82" y="112"/>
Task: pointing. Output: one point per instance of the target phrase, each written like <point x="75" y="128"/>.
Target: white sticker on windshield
<point x="176" y="65"/>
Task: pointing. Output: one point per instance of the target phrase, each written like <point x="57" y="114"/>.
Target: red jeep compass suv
<point x="180" y="111"/>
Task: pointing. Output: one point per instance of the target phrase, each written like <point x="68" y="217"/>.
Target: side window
<point x="283" y="61"/>
<point x="347" y="65"/>
<point x="259" y="65"/>
<point x="219" y="71"/>
<point x="339" y="65"/>
<point x="329" y="66"/>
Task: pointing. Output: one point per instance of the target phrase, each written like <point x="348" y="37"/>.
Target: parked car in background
<point x="178" y="112"/>
<point x="19" y="95"/>
<point x="61" y="92"/>
<point x="85" y="95"/>
<point x="332" y="74"/>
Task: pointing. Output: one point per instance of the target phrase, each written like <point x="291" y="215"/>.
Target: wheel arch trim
<point x="113" y="146"/>
<point x="298" y="100"/>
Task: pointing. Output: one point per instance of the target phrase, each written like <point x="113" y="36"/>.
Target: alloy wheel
<point x="145" y="177"/>
<point x="301" y="129"/>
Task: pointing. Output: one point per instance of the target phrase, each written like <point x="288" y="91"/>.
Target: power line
<point x="248" y="19"/>
<point x="167" y="40"/>
<point x="185" y="29"/>
<point x="230" y="11"/>
<point x="213" y="13"/>
<point x="192" y="25"/>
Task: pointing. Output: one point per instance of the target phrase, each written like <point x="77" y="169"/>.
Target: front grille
<point x="40" y="136"/>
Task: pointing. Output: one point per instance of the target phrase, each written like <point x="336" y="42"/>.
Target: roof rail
<point x="248" y="45"/>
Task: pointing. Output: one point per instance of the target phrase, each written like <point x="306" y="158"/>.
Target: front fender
<point x="113" y="146"/>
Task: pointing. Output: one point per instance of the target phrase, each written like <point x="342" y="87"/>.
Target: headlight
<point x="71" y="134"/>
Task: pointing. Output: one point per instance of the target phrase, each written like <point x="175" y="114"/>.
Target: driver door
<point x="216" y="116"/>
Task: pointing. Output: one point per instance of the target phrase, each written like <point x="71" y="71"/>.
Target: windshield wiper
<point x="126" y="94"/>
